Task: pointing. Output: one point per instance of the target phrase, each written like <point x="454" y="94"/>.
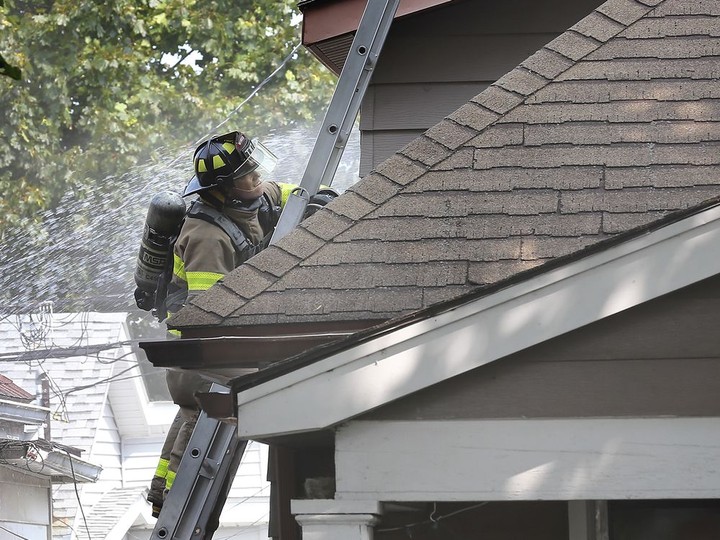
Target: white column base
<point x="336" y="520"/>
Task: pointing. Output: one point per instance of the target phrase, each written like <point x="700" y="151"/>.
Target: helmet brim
<point x="194" y="186"/>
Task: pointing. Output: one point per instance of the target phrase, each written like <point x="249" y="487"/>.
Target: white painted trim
<point x="429" y="351"/>
<point x="332" y="506"/>
<point x="512" y="460"/>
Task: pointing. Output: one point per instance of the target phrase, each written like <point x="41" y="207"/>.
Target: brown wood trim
<point x="326" y="20"/>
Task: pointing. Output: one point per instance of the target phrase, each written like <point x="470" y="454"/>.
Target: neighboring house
<point x="30" y="465"/>
<point x="99" y="405"/>
<point x="507" y="328"/>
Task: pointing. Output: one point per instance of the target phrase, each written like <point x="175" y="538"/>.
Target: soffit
<point x="329" y="26"/>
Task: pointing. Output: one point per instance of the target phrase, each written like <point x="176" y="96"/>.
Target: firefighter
<point x="232" y="220"/>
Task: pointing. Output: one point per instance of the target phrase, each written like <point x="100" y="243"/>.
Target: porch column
<point x="328" y="519"/>
<point x="588" y="520"/>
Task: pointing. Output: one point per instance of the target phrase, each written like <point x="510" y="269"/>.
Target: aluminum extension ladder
<point x="192" y="508"/>
<point x="342" y="111"/>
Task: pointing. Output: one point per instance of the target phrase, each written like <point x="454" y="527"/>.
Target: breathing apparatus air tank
<point x="164" y="216"/>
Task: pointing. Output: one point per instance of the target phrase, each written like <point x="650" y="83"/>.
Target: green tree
<point x="110" y="84"/>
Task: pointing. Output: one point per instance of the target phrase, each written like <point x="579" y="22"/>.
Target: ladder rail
<point x="342" y="111"/>
<point x="208" y="466"/>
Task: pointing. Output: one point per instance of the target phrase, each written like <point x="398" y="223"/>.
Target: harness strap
<point x="204" y="211"/>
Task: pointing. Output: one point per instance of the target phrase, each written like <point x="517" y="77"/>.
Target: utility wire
<point x="14" y="534"/>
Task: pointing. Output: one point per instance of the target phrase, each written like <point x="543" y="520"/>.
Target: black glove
<point x="144" y="299"/>
<point x="320" y="199"/>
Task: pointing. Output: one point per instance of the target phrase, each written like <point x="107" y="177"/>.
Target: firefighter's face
<point x="247" y="187"/>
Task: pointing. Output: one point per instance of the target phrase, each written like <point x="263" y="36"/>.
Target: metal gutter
<point x="13" y="411"/>
<point x="43" y="458"/>
<point x="231" y="356"/>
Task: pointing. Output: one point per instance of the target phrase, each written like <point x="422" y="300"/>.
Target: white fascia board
<point x="523" y="460"/>
<point x="414" y="357"/>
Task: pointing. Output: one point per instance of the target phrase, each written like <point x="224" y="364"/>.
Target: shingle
<point x="617" y="155"/>
<point x="302" y="243"/>
<point x="521" y="81"/>
<point x="614" y="223"/>
<point x="683" y="7"/>
<point x="461" y="159"/>
<point x="583" y="133"/>
<point x="445" y="249"/>
<point x="450" y="134"/>
<point x="638" y="200"/>
<point x="547" y="63"/>
<point x="425" y="151"/>
<point x="549" y="247"/>
<point x="663" y="48"/>
<point x="375" y="188"/>
<point x="497" y="99"/>
<point x="485" y="273"/>
<point x="506" y="179"/>
<point x="587" y="91"/>
<point x="662" y="176"/>
<point x="474" y="227"/>
<point x="247" y="281"/>
<point x="619" y="111"/>
<point x="644" y="69"/>
<point x="598" y="26"/>
<point x="474" y="116"/>
<point x="623" y="11"/>
<point x="458" y="180"/>
<point x="325" y="224"/>
<point x="444" y="204"/>
<point x="433" y="295"/>
<point x="274" y="261"/>
<point x="192" y="315"/>
<point x="323" y="302"/>
<point x="498" y="136"/>
<point x="573" y="45"/>
<point x="400" y="169"/>
<point x="366" y="276"/>
<point x="700" y="25"/>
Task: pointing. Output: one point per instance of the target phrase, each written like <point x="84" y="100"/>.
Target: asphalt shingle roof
<point x="11" y="391"/>
<point x="612" y="125"/>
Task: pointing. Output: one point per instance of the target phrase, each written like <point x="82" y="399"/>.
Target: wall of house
<point x="658" y="359"/>
<point x="24" y="505"/>
<point x="435" y="61"/>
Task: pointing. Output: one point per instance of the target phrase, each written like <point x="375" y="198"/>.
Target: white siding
<point x="24" y="505"/>
<point x="140" y="458"/>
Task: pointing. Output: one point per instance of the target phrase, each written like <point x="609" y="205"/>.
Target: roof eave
<point x="427" y="350"/>
<point x="332" y="23"/>
<point x="225" y="357"/>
